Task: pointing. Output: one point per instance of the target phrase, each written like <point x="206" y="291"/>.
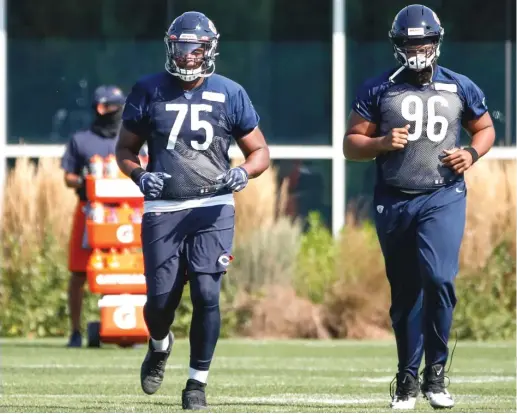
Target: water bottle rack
<point x="115" y="268"/>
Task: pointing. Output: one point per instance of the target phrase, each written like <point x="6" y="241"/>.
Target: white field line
<point x="280" y="399"/>
<point x="454" y="379"/>
<point x="252" y="367"/>
<point x="323" y="343"/>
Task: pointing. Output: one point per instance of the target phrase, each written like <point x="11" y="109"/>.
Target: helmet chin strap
<point x="194" y="73"/>
<point x="432" y="73"/>
<point x="408" y="66"/>
<point x="392" y="77"/>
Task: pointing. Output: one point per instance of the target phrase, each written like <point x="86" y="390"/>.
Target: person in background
<point x="99" y="139"/>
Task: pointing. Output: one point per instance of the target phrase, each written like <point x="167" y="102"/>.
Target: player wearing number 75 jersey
<point x="409" y="119"/>
<point x="189" y="116"/>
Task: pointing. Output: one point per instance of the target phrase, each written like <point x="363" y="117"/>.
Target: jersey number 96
<point x="413" y="110"/>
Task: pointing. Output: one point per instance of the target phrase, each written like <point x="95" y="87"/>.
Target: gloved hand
<point x="235" y="179"/>
<point x="151" y="184"/>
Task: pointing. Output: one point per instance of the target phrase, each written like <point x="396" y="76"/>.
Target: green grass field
<point x="246" y="376"/>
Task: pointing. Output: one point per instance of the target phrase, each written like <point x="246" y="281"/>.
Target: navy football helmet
<point x="416" y="36"/>
<point x="191" y="44"/>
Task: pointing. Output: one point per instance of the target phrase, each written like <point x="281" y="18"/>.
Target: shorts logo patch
<point x="225" y="260"/>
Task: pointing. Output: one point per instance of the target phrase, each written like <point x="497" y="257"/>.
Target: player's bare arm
<point x="127" y="150"/>
<point x="483" y="136"/>
<point x="256" y="152"/>
<point x="361" y="145"/>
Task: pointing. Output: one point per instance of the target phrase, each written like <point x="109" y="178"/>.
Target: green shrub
<point x="316" y="269"/>
<point x="33" y="296"/>
<point x="33" y="292"/>
<point x="486" y="299"/>
<point x="344" y="277"/>
<point x="33" y="269"/>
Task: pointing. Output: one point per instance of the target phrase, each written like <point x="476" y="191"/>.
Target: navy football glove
<point x="151" y="184"/>
<point x="235" y="179"/>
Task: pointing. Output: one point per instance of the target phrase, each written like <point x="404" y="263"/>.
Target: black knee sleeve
<point x="159" y="313"/>
<point x="206" y="319"/>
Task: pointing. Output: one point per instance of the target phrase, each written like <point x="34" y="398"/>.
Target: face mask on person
<point x="107" y="124"/>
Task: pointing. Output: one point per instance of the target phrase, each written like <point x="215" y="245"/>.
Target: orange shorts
<point x="77" y="255"/>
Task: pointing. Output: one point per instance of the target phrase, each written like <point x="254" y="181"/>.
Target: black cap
<point x="109" y="94"/>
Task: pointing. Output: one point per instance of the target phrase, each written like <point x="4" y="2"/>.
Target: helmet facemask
<point x="190" y="60"/>
<point x="416" y="53"/>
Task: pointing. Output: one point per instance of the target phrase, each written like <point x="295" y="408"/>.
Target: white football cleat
<point x="406" y="392"/>
<point x="433" y="387"/>
<point x="403" y="403"/>
<point x="439" y="400"/>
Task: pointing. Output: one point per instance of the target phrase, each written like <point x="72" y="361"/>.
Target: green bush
<point x="33" y="294"/>
<point x="33" y="290"/>
<point x="34" y="281"/>
<point x="486" y="299"/>
<point x="316" y="268"/>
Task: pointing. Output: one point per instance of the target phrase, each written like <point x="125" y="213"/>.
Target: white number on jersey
<point x="417" y="116"/>
<point x="195" y="124"/>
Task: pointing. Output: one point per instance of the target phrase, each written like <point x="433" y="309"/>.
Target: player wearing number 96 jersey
<point x="189" y="116"/>
<point x="409" y="120"/>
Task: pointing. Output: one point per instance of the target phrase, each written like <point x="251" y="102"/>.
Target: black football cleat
<point x="406" y="392"/>
<point x="193" y="396"/>
<point x="153" y="367"/>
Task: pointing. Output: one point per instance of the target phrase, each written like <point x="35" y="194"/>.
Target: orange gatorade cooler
<point x="116" y="273"/>
<point x="122" y="319"/>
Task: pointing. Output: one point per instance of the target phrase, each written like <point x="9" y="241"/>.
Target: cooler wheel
<point x="94" y="339"/>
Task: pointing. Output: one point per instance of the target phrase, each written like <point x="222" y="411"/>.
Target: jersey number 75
<point x="195" y="124"/>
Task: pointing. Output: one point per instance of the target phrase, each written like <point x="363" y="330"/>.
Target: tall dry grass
<point x="491" y="210"/>
<point x="260" y="204"/>
<point x="357" y="304"/>
<point x="266" y="240"/>
<point x="37" y="202"/>
<point x="266" y="256"/>
<point x="35" y="231"/>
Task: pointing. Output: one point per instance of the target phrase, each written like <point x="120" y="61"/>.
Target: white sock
<point x="160" y="345"/>
<point x="200" y="376"/>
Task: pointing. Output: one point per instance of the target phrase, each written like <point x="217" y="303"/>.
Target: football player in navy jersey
<point x="189" y="116"/>
<point x="409" y="120"/>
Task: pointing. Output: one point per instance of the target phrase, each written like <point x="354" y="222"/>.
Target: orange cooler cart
<point x="115" y="267"/>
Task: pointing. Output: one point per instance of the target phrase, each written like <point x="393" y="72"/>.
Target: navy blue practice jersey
<point x="79" y="151"/>
<point x="435" y="113"/>
<point x="188" y="133"/>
